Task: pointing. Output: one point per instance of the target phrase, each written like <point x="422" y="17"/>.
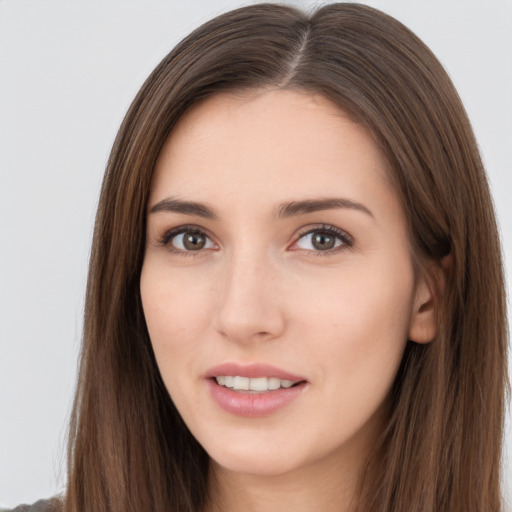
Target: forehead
<point x="267" y="144"/>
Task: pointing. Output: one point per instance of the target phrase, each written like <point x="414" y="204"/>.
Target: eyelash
<point x="347" y="242"/>
<point x="169" y="235"/>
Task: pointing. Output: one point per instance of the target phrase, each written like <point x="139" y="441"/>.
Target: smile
<point x="255" y="385"/>
<point x="253" y="390"/>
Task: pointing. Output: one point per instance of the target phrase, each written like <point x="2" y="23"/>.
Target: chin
<point x="267" y="458"/>
<point x="254" y="464"/>
<point x="257" y="458"/>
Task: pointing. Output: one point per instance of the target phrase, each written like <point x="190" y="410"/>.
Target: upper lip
<point x="253" y="370"/>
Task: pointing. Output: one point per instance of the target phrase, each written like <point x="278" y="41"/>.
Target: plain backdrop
<point x="68" y="71"/>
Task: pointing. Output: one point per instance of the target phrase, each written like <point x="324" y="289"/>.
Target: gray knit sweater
<point x="39" y="506"/>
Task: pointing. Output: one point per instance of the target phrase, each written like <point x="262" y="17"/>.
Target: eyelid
<point x="344" y="236"/>
<point x="165" y="239"/>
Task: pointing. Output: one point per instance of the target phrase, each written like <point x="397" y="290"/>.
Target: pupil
<point x="323" y="241"/>
<point x="194" y="241"/>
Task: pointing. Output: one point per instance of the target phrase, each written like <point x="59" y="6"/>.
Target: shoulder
<point x="51" y="505"/>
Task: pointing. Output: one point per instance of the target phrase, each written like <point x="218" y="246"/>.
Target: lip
<point x="252" y="371"/>
<point x="252" y="405"/>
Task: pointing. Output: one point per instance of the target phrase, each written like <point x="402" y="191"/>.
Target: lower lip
<point x="253" y="405"/>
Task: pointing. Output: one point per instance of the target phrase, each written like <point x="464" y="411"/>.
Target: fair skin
<point x="323" y="290"/>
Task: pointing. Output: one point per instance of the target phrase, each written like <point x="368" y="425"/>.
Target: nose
<point x="250" y="306"/>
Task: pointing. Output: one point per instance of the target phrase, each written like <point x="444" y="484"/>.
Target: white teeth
<point x="274" y="383"/>
<point x="241" y="383"/>
<point x="260" y="384"/>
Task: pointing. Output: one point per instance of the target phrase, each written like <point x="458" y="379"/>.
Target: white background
<point x="68" y="71"/>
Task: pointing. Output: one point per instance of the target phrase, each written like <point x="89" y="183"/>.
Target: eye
<point x="324" y="239"/>
<point x="187" y="239"/>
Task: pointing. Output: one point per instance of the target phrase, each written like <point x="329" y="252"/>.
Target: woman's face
<point x="277" y="256"/>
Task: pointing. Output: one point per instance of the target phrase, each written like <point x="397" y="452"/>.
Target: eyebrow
<point x="316" y="205"/>
<point x="285" y="210"/>
<point x="171" y="204"/>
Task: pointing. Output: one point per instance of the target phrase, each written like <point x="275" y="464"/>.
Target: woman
<point x="295" y="294"/>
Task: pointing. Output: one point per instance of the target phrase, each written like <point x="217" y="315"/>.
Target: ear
<point x="428" y="292"/>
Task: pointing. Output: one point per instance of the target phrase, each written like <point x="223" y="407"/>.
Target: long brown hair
<point x="129" y="449"/>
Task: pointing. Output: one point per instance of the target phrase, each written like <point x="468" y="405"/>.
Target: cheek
<point x="359" y="326"/>
<point x="371" y="295"/>
<point x="176" y="310"/>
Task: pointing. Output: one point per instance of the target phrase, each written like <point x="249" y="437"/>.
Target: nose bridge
<point x="248" y="303"/>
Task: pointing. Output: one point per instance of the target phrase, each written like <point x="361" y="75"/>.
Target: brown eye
<point x="324" y="239"/>
<point x="187" y="240"/>
<point x="194" y="241"/>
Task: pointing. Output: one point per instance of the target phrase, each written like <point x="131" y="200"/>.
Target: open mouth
<point x="260" y="391"/>
<point x="255" y="384"/>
